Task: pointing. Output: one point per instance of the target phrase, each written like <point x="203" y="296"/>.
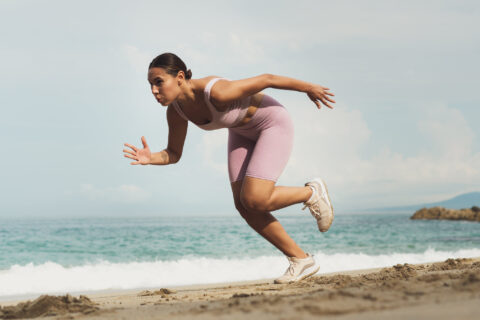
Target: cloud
<point x="326" y="139"/>
<point x="332" y="144"/>
<point x="448" y="131"/>
<point x="120" y="194"/>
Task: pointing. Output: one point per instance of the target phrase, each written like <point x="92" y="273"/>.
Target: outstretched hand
<point x="318" y="94"/>
<point x="142" y="156"/>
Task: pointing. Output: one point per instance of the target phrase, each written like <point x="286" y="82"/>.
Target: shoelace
<point x="323" y="195"/>
<point x="312" y="205"/>
<point x="291" y="268"/>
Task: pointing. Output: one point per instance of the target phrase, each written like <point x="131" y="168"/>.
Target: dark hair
<point x="171" y="63"/>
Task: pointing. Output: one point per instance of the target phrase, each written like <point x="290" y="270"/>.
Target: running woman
<point x="260" y="139"/>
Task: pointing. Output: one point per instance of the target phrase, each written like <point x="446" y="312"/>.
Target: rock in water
<point x="440" y="213"/>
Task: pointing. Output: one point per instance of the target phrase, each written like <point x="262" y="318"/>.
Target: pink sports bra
<point x="225" y="119"/>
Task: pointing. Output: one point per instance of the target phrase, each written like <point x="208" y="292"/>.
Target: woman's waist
<point x="242" y="112"/>
<point x="247" y="112"/>
<point x="257" y="101"/>
<point x="270" y="113"/>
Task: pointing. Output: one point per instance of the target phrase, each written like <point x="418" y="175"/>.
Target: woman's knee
<point x="241" y="209"/>
<point x="254" y="203"/>
<point x="247" y="215"/>
<point x="256" y="220"/>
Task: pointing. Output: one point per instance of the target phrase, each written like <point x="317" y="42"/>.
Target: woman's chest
<point x="200" y="113"/>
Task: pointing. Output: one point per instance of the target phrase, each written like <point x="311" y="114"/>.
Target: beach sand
<point x="443" y="290"/>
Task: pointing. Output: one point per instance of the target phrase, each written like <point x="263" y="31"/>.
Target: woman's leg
<point x="267" y="161"/>
<point x="240" y="150"/>
<point x="266" y="225"/>
<point x="262" y="195"/>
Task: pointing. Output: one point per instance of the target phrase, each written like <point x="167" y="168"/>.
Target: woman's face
<point x="164" y="87"/>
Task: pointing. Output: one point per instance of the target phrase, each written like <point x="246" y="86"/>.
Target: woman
<point x="260" y="138"/>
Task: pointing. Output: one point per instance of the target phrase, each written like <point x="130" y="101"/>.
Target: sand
<point x="444" y="290"/>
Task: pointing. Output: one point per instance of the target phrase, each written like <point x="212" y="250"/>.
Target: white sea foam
<point x="30" y="279"/>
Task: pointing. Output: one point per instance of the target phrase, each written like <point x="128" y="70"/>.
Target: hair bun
<point x="188" y="74"/>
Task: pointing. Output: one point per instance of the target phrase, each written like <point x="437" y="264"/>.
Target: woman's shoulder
<point x="201" y="86"/>
<point x="201" y="83"/>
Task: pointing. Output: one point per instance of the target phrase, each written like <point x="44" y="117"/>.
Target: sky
<point x="73" y="90"/>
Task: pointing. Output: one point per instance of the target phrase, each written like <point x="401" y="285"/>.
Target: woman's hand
<point x="143" y="156"/>
<point x="317" y="92"/>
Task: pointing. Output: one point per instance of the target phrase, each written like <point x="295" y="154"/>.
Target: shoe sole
<point x="324" y="186"/>
<point x="315" y="270"/>
<point x="309" y="274"/>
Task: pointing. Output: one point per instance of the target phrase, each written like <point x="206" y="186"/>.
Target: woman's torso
<point x="211" y="115"/>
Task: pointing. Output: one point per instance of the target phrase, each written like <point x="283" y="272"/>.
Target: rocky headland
<point x="440" y="213"/>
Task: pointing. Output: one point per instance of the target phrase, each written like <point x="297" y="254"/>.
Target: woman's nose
<point x="154" y="89"/>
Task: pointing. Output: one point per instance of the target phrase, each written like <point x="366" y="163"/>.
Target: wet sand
<point x="444" y="290"/>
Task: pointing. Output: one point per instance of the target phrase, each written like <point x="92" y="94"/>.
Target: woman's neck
<point x="187" y="93"/>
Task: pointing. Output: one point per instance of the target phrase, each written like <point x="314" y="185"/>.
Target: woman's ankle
<point x="300" y="255"/>
<point x="310" y="193"/>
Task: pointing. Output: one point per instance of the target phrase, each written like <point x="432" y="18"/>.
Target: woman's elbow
<point x="267" y="79"/>
<point x="176" y="158"/>
<point x="173" y="156"/>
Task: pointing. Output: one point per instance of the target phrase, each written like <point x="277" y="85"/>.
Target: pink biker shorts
<point x="261" y="147"/>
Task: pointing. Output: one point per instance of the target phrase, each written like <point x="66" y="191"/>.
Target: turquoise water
<point x="69" y="255"/>
<point x="71" y="242"/>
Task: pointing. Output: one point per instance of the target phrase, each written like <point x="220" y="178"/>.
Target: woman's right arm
<point x="177" y="132"/>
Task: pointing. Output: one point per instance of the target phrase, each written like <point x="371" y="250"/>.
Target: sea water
<point x="80" y="255"/>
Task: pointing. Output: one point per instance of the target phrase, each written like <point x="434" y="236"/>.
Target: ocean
<point x="57" y="256"/>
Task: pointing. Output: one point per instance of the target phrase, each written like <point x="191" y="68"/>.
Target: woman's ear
<point x="180" y="77"/>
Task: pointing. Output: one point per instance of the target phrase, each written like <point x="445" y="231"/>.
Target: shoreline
<point x="11" y="300"/>
<point x="15" y="298"/>
<point x="426" y="290"/>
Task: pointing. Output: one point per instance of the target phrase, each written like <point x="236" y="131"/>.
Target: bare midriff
<point x="254" y="103"/>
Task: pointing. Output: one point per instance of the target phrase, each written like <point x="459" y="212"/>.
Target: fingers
<point x="130" y="146"/>
<point x="326" y="103"/>
<point x="131" y="157"/>
<point x="331" y="100"/>
<point x="144" y="141"/>
<point x="130" y="154"/>
<point x="315" y="101"/>
<point x="326" y="98"/>
<point x="326" y="92"/>
<point x="128" y="151"/>
<point x="323" y="99"/>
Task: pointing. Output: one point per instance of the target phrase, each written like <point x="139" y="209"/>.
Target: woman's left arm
<point x="225" y="91"/>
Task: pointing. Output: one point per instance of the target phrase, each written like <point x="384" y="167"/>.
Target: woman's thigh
<point x="240" y="150"/>
<point x="272" y="149"/>
<point x="236" y="191"/>
<point x="261" y="188"/>
<point x="255" y="166"/>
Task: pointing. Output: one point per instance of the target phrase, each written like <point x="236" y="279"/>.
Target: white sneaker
<point x="299" y="269"/>
<point x="320" y="205"/>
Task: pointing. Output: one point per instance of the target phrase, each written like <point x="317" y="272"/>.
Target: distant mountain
<point x="466" y="200"/>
